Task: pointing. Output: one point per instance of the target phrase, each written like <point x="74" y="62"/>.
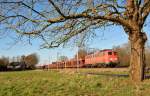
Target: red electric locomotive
<point x="103" y="58"/>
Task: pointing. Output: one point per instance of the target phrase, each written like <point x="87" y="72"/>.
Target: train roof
<point x="104" y="50"/>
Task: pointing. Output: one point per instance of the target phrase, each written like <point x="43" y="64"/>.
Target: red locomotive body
<point x="102" y="58"/>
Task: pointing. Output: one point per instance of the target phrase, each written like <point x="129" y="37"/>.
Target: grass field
<point x="68" y="83"/>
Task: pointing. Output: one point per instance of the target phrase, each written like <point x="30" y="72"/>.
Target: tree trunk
<point x="137" y="60"/>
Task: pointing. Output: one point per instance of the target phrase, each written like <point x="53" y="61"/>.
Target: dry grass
<point x="68" y="83"/>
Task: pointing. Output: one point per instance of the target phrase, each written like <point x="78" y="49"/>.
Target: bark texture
<point x="137" y="60"/>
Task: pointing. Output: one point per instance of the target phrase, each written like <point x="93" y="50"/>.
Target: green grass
<point x="54" y="83"/>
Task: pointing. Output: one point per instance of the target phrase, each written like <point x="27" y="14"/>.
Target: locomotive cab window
<point x="109" y="53"/>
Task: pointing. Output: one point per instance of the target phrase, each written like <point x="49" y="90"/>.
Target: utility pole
<point x="77" y="58"/>
<point x="65" y="64"/>
<point x="91" y="51"/>
<point x="57" y="60"/>
<point x="49" y="62"/>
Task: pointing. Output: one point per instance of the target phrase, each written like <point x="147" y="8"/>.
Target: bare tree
<point x="4" y="62"/>
<point x="31" y="60"/>
<point x="82" y="52"/>
<point x="62" y="58"/>
<point x="59" y="21"/>
<point x="147" y="53"/>
<point x="123" y="52"/>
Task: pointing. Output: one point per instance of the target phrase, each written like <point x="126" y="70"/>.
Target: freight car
<point x="72" y="63"/>
<point x="102" y="58"/>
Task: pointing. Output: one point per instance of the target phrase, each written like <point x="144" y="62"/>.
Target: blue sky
<point x="113" y="36"/>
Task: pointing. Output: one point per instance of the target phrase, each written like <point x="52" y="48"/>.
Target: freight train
<point x="101" y="58"/>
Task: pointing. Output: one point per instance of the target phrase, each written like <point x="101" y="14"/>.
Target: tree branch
<point x="145" y="10"/>
<point x="116" y="19"/>
<point x="70" y="34"/>
<point x="22" y="3"/>
<point x="15" y="16"/>
<point x="145" y="6"/>
<point x="57" y="8"/>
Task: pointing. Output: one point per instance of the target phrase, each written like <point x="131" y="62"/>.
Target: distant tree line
<point x="19" y="63"/>
<point x="124" y="52"/>
<point x="82" y="52"/>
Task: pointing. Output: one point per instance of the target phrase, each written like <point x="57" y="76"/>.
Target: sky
<point x="113" y="36"/>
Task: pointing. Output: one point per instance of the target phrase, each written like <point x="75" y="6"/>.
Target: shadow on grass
<point x="16" y="70"/>
<point x="110" y="75"/>
<point x="115" y="75"/>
